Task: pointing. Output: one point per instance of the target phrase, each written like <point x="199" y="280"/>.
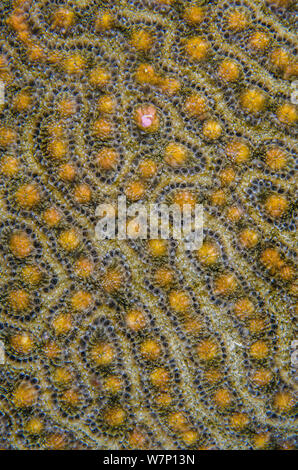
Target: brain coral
<point x="141" y="344"/>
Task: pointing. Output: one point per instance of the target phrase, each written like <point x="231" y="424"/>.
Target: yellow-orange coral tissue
<point x="135" y="343"/>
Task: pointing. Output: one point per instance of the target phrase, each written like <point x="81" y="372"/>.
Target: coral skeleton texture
<point x="141" y="344"/>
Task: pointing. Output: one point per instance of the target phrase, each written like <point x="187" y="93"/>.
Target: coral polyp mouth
<point x="146" y="118"/>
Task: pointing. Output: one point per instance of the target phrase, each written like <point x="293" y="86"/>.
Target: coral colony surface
<point x="140" y="343"/>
